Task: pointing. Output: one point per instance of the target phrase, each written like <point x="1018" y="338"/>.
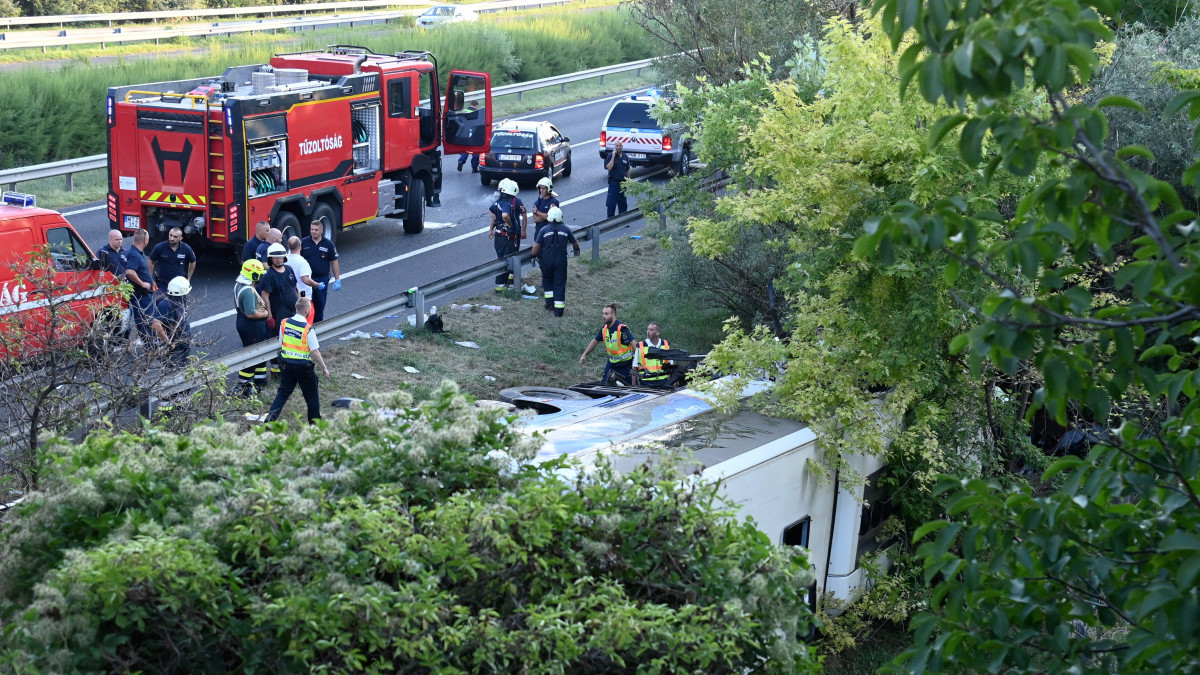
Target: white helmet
<point x="546" y="183"/>
<point x="179" y="287"/>
<point x="554" y="215"/>
<point x="276" y="251"/>
<point x="509" y="187"/>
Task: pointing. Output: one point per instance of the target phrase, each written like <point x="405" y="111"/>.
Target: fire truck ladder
<point x="218" y="182"/>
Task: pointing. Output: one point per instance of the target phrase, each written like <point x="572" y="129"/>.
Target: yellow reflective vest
<point x="617" y="352"/>
<point x="294" y="345"/>
<point x="651" y="369"/>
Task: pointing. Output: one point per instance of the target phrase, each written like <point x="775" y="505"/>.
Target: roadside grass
<point x="92" y="186"/>
<point x="523" y="344"/>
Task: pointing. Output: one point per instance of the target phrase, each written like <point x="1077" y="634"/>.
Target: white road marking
<point x="90" y="208"/>
<point x="425" y="249"/>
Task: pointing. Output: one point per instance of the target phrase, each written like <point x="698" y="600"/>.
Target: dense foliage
<point x="70" y="112"/>
<point x="1099" y="291"/>
<point x="416" y="543"/>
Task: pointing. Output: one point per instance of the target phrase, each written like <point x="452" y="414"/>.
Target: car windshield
<point x="503" y="141"/>
<point x="631" y="114"/>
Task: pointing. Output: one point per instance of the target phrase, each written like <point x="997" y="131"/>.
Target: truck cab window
<point x="67" y="251"/>
<point x="427" y="107"/>
<point x="399" y="93"/>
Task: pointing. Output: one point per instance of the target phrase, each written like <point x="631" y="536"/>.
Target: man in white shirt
<point x="298" y="350"/>
<point x="303" y="271"/>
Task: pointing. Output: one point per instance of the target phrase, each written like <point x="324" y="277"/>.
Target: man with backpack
<point x="504" y="231"/>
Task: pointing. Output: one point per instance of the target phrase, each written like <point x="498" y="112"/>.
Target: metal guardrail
<point x="10" y="22"/>
<point x="69" y="167"/>
<point x="133" y="33"/>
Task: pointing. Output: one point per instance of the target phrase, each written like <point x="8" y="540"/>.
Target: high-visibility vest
<point x="652" y="368"/>
<point x="294" y="345"/>
<point x="617" y="352"/>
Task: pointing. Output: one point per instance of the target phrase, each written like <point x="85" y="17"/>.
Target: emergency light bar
<point x="18" y="199"/>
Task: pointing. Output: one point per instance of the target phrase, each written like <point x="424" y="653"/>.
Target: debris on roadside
<point x="410" y="369"/>
<point x="357" y="376"/>
<point x="396" y="333"/>
<point x="358" y="334"/>
<point x="467" y="343"/>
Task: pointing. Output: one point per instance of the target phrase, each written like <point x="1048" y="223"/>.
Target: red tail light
<point x="603" y="138"/>
<point x="482" y="159"/>
<point x="539" y="162"/>
<point x="666" y="143"/>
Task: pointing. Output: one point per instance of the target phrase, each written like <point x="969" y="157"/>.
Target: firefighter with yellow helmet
<point x="251" y="323"/>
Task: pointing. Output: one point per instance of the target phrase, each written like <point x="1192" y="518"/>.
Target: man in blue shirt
<point x="138" y="275"/>
<point x="250" y="250"/>
<point x="322" y="257"/>
<point x="274" y="236"/>
<point x="172" y="258"/>
<point x="113" y="258"/>
<point x="618" y="170"/>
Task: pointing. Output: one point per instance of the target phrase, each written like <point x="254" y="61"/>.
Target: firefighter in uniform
<point x="251" y="323"/>
<point x="617" y="341"/>
<point x="646" y="371"/>
<point x="504" y="231"/>
<point x="547" y="198"/>
<point x="550" y="250"/>
<point x="170" y="322"/>
<point x="298" y="349"/>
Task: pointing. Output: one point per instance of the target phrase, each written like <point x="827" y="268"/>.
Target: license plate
<point x="510" y="158"/>
<point x="133" y="222"/>
<point x="636" y="155"/>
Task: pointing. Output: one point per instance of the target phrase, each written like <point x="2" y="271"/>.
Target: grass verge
<point x="523" y="344"/>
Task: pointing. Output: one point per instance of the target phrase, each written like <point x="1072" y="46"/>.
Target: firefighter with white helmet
<point x="251" y="322"/>
<point x="550" y="249"/>
<point x="504" y="231"/>
<point x="547" y="198"/>
<point x="170" y="322"/>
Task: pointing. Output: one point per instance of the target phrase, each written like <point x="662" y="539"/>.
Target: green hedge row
<point x="59" y="115"/>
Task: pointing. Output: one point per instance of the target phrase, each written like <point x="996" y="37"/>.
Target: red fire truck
<point x="341" y="135"/>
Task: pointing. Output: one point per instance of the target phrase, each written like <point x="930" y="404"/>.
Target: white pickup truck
<point x="645" y="141"/>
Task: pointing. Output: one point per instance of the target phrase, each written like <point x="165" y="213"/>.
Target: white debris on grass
<point x="467" y="343"/>
<point x="410" y="369"/>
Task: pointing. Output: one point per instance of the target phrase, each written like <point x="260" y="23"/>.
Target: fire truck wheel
<point x="287" y="223"/>
<point x="567" y="168"/>
<point x="328" y="217"/>
<point x="414" y="217"/>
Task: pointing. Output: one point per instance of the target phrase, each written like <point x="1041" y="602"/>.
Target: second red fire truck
<point x="341" y="135"/>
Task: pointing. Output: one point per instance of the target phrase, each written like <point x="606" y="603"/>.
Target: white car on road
<point x="439" y="14"/>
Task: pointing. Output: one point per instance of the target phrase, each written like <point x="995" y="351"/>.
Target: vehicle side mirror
<point x="566" y="139"/>
<point x="93" y="264"/>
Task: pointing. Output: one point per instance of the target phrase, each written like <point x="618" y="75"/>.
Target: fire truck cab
<point x="340" y="135"/>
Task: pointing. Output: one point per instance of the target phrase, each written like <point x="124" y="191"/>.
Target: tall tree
<point x="1098" y="575"/>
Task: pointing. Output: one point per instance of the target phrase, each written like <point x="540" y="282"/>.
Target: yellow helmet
<point x="253" y="269"/>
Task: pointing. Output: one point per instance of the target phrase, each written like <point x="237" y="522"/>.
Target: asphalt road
<point x="378" y="260"/>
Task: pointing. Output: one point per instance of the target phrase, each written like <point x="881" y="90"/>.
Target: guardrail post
<point x="419" y="305"/>
<point x="601" y="79"/>
<point x="594" y="235"/>
<point x="70" y="182"/>
<point x="514" y="266"/>
<point x="563" y="87"/>
<point x="518" y="93"/>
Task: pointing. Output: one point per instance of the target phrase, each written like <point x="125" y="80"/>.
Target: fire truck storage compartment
<point x="364" y="123"/>
<point x="387" y="197"/>
<point x="266" y="154"/>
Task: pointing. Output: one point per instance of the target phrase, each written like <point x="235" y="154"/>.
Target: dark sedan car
<point x="525" y="152"/>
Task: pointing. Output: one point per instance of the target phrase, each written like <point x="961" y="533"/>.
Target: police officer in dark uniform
<point x="322" y="257"/>
<point x="550" y="249"/>
<point x="114" y="258"/>
<point x="172" y="258"/>
<point x="504" y="231"/>
<point x="138" y="276"/>
<point x="170" y="322"/>
<point x="250" y="249"/>
<point x="618" y="170"/>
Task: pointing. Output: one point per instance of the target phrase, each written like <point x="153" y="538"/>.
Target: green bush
<point x="45" y="118"/>
<point x="416" y="543"/>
